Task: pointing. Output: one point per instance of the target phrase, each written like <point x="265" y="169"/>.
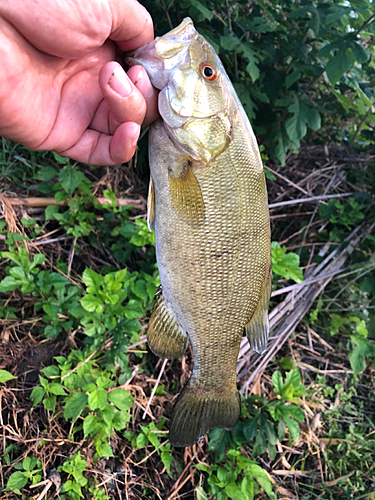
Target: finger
<point x="124" y="100"/>
<point x="132" y="25"/>
<point x="95" y="148"/>
<point x="139" y="77"/>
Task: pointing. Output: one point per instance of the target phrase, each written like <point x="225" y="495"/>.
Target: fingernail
<point x="144" y="85"/>
<point x="119" y="82"/>
<point x="136" y="131"/>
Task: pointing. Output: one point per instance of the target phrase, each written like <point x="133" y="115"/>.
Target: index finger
<point x="132" y="25"/>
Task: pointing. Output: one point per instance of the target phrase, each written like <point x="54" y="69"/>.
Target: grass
<point x="77" y="282"/>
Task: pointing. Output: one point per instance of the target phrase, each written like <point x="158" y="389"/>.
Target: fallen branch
<point x="45" y="202"/>
<point x="285" y="316"/>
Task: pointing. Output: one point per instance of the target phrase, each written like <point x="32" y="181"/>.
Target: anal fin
<point x="164" y="336"/>
<point x="257" y="329"/>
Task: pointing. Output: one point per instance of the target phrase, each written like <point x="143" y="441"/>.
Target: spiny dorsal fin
<point x="164" y="336"/>
<point x="257" y="329"/>
<point x="151" y="205"/>
<point x="186" y="195"/>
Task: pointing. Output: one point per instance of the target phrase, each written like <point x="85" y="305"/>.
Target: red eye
<point x="209" y="72"/>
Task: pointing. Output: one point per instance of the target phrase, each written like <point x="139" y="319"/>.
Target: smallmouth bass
<point x="208" y="204"/>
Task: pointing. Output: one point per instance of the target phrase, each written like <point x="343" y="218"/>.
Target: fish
<point x="208" y="204"/>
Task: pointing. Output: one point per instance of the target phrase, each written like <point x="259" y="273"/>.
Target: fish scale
<point x="208" y="204"/>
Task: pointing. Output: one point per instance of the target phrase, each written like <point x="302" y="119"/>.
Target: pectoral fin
<point x="186" y="194"/>
<point x="257" y="329"/>
<point x="151" y="205"/>
<point x="164" y="336"/>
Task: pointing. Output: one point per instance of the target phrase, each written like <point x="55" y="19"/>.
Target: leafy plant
<point x="29" y="470"/>
<point x="285" y="264"/>
<point x="82" y="389"/>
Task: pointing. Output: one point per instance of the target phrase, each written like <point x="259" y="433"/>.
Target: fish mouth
<point x="161" y="56"/>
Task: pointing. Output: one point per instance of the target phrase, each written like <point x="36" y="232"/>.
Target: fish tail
<point x="198" y="410"/>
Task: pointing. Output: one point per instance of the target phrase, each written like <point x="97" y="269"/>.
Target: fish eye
<point x="209" y="72"/>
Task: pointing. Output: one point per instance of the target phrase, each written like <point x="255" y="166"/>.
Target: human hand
<point x="60" y="87"/>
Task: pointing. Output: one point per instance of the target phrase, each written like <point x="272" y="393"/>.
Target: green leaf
<point x="121" y="398"/>
<point x="285" y="264"/>
<point x="338" y="66"/>
<point x="120" y="419"/>
<point x="51" y="371"/>
<point x="234" y="491"/>
<point x="357" y="356"/>
<point x="134" y="309"/>
<point x="9" y="284"/>
<point x="37" y="395"/>
<point x="70" y="179"/>
<point x="50" y="212"/>
<point x="292" y="78"/>
<point x="75" y="405"/>
<point x="5" y="376"/>
<point x="46" y="174"/>
<point x="293" y="428"/>
<point x="17" y="481"/>
<point x="104" y="450"/>
<point x="29" y="463"/>
<point x="207" y="13"/>
<point x="90" y="425"/>
<point x="49" y="403"/>
<point x="167" y="458"/>
<point x="57" y="389"/>
<point x="92" y="303"/>
<point x="97" y="399"/>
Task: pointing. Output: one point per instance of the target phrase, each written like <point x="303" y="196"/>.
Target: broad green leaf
<point x="17" y="481"/>
<point x="75" y="405"/>
<point x="50" y="212"/>
<point x="92" y="303"/>
<point x="120" y="419"/>
<point x="29" y="463"/>
<point x="49" y="403"/>
<point x="293" y="428"/>
<point x="292" y="78"/>
<point x="338" y="66"/>
<point x="51" y="371"/>
<point x="247" y="487"/>
<point x="57" y="389"/>
<point x="285" y="264"/>
<point x="134" y="309"/>
<point x="234" y="491"/>
<point x="37" y="395"/>
<point x="70" y="179"/>
<point x="9" y="284"/>
<point x="357" y="356"/>
<point x="104" y="450"/>
<point x="121" y="398"/>
<point x="5" y="376"/>
<point x="97" y="399"/>
<point x="46" y="174"/>
<point x="90" y="425"/>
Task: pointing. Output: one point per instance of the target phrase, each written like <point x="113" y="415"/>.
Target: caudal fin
<point x="197" y="411"/>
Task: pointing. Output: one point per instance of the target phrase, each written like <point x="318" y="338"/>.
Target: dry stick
<point x="312" y="198"/>
<point x="154" y="389"/>
<point x="287" y="180"/>
<point x="45" y="202"/>
<point x="282" y="321"/>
